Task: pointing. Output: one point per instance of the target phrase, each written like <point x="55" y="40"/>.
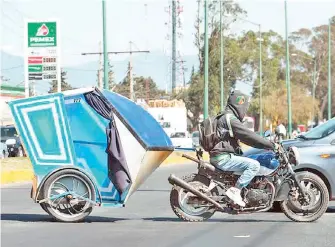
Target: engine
<point x="257" y="197"/>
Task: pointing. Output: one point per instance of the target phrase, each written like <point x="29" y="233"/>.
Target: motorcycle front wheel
<point x="180" y="200"/>
<point x="318" y="199"/>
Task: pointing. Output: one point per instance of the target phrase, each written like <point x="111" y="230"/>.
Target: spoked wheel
<point x="296" y="209"/>
<point x="186" y="205"/>
<point x="63" y="205"/>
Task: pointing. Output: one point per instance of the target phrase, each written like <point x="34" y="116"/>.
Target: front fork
<point x="297" y="182"/>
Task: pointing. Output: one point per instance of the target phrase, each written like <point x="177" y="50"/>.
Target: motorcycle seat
<point x="218" y="169"/>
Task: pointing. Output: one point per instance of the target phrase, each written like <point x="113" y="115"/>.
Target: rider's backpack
<point x="208" y="135"/>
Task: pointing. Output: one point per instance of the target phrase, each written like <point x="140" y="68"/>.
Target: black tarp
<point x="118" y="171"/>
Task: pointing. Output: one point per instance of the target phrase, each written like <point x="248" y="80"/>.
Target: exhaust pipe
<point x="177" y="181"/>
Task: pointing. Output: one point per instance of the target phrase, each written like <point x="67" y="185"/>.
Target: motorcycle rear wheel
<point x="317" y="182"/>
<point x="178" y="207"/>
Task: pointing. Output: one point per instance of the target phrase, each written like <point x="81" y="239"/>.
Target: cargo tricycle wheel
<point x="66" y="190"/>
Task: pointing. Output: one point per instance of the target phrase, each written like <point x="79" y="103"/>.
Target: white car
<point x="181" y="139"/>
<point x="195" y="139"/>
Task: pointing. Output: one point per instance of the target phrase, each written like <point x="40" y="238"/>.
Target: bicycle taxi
<point x="88" y="147"/>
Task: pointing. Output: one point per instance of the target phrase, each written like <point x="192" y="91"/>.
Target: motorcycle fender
<point x="282" y="192"/>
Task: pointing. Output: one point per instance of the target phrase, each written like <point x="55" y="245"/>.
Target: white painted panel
<point x="133" y="150"/>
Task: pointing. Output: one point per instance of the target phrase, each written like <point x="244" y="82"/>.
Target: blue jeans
<point x="230" y="162"/>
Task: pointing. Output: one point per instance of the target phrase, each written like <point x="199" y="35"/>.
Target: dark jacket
<point x="237" y="107"/>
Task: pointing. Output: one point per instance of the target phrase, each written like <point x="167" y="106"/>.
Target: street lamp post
<point x="288" y="82"/>
<point x="260" y="84"/>
<point x="221" y="58"/>
<point x="313" y="89"/>
<point x="206" y="62"/>
<point x="329" y="71"/>
<point x="104" y="32"/>
<point x="260" y="75"/>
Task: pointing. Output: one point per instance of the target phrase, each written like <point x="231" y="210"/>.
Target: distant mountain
<point x="12" y="67"/>
<point x="154" y="64"/>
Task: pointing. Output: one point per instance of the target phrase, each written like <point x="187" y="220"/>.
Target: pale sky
<point x="81" y="23"/>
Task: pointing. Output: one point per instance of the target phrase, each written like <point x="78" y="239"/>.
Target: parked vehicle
<point x="199" y="195"/>
<point x="317" y="153"/>
<point x="181" y="139"/>
<point x="3" y="150"/>
<point x="10" y="137"/>
<point x="195" y="139"/>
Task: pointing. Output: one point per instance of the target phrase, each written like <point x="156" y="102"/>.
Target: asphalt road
<point x="147" y="220"/>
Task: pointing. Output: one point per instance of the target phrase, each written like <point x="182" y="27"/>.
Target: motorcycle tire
<point x="285" y="206"/>
<point x="175" y="202"/>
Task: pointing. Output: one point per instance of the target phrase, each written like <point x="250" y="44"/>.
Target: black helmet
<point x="238" y="103"/>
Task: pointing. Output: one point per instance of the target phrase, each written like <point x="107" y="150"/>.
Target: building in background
<point x="171" y="114"/>
<point x="7" y="93"/>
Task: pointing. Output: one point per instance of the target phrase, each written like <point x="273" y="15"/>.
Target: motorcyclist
<point x="226" y="154"/>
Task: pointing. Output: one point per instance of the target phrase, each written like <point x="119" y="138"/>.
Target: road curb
<point x="16" y="176"/>
<point x="23" y="171"/>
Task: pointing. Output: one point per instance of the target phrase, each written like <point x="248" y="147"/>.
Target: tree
<point x="275" y="104"/>
<point x="64" y="85"/>
<point x="316" y="41"/>
<point x="141" y="84"/>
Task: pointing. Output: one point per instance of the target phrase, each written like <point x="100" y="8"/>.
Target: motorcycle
<point x="303" y="196"/>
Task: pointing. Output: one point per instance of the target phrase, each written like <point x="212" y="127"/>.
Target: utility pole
<point x="119" y="52"/>
<point x="100" y="84"/>
<point x="183" y="71"/>
<point x="313" y="89"/>
<point x="288" y="82"/>
<point x="174" y="55"/>
<point x="33" y="83"/>
<point x="131" y="86"/>
<point x="206" y="62"/>
<point x="147" y="89"/>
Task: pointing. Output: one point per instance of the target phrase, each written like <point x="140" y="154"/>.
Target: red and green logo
<point x="42" y="31"/>
<point x="240" y="100"/>
<point x="42" y="34"/>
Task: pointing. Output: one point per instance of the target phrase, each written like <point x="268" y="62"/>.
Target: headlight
<point x="294" y="156"/>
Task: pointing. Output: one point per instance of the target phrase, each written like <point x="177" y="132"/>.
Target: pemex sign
<point x="42" y="34"/>
<point x="42" y="46"/>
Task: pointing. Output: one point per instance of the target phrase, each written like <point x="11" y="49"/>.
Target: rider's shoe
<point x="235" y="194"/>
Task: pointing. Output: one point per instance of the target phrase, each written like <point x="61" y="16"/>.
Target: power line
<point x="130" y="51"/>
<point x="88" y="70"/>
<point x="12" y="30"/>
<point x="22" y="14"/>
<point x="15" y="67"/>
<point x="11" y="19"/>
